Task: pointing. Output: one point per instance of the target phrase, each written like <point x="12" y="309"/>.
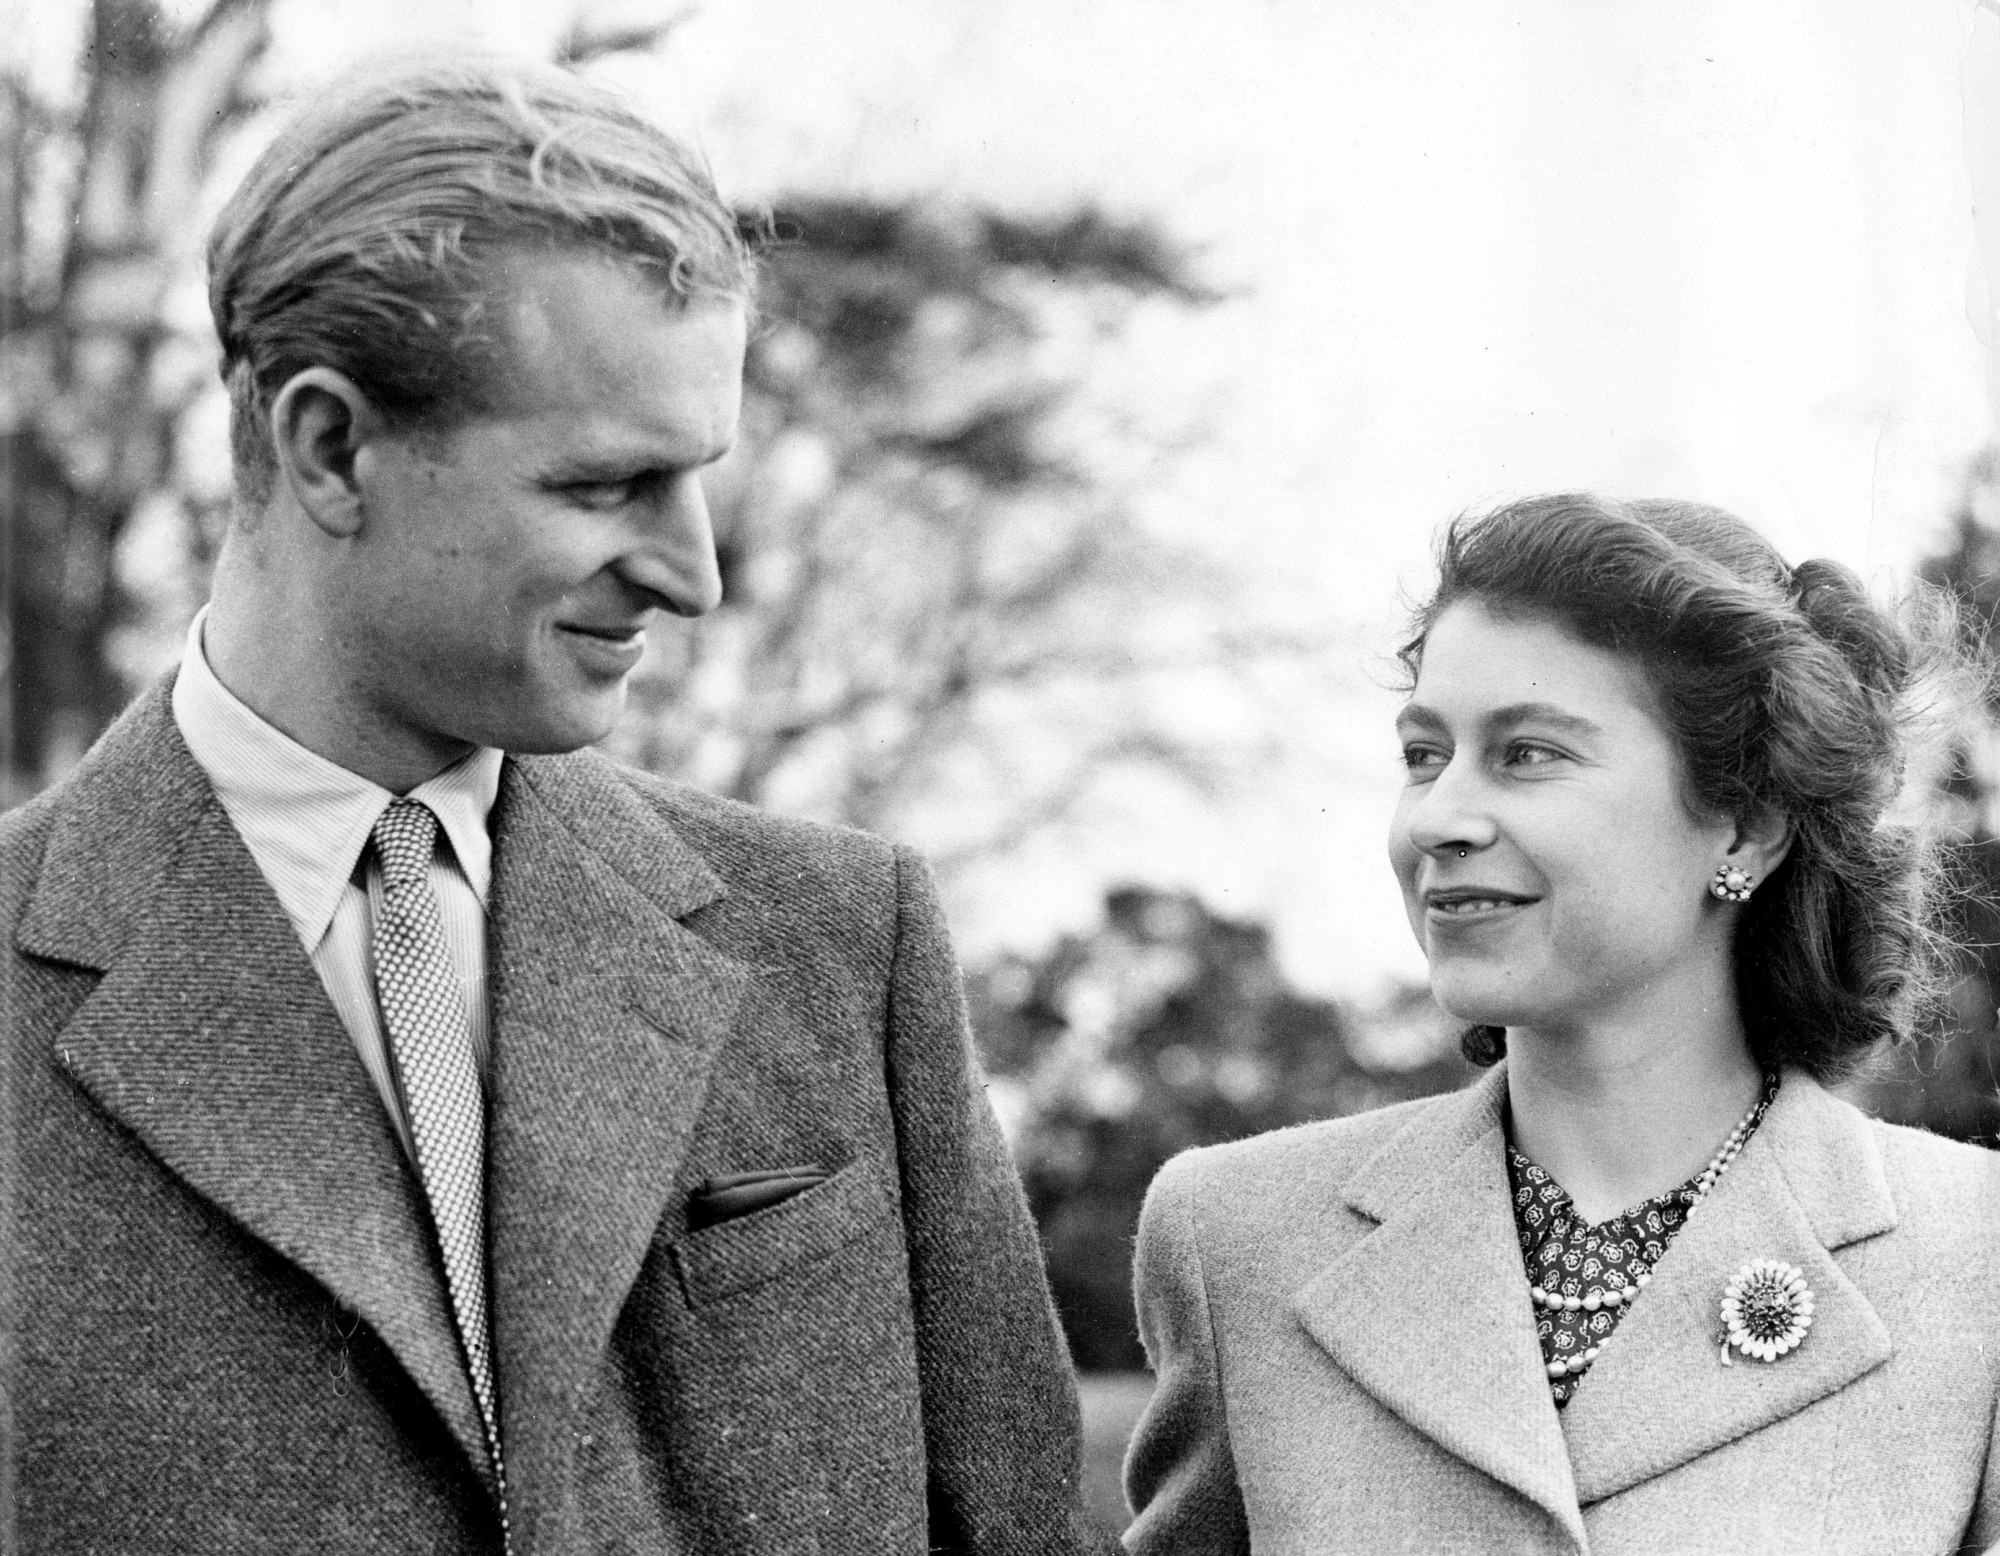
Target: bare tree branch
<point x="584" y="41"/>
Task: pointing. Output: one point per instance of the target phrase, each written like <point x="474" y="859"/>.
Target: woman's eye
<point x="1423" y="761"/>
<point x="1527" y="753"/>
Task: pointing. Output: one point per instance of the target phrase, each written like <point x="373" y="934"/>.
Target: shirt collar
<point x="306" y="819"/>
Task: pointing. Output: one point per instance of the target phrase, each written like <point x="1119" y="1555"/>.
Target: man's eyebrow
<point x="618" y="464"/>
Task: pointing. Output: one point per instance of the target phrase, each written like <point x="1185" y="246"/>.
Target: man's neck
<point x="275" y="675"/>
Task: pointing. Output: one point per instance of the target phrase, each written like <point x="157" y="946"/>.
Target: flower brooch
<point x="1766" y="1310"/>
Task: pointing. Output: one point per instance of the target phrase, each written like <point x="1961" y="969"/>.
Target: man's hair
<point x="364" y="238"/>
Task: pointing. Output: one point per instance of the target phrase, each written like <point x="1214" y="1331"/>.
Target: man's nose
<point x="1451" y="812"/>
<point x="671" y="554"/>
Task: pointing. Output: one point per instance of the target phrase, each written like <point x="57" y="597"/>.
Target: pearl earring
<point x="1731" y="884"/>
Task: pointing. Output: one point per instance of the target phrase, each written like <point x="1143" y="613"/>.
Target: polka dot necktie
<point x="430" y="1043"/>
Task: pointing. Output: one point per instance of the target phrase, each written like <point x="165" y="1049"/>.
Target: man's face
<point x="500" y="586"/>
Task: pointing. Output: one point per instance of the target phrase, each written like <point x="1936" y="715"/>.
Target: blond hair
<point x="362" y="238"/>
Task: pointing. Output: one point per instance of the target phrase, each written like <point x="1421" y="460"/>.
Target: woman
<point x="1647" y="1286"/>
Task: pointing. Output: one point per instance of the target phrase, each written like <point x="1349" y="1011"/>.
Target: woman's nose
<point x="1450" y="814"/>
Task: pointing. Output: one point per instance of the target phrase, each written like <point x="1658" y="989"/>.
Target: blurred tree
<point x="1169" y="1026"/>
<point x="1949" y="1080"/>
<point x="943" y="618"/>
<point x="100" y="206"/>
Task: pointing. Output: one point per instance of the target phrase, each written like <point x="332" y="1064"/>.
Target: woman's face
<point x="1549" y="865"/>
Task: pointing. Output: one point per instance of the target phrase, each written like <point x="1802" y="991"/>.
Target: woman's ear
<point x="318" y="422"/>
<point x="1762" y="841"/>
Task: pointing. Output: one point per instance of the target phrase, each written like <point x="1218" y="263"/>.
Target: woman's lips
<point x="1473" y="905"/>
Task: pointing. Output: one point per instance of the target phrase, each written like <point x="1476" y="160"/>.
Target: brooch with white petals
<point x="1766" y="1310"/>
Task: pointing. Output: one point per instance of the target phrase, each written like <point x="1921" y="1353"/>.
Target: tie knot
<point x="405" y="838"/>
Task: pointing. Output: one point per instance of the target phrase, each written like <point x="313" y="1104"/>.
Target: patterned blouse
<point x="1567" y="1256"/>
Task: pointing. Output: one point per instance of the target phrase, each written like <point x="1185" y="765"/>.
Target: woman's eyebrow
<point x="1546" y="713"/>
<point x="1414" y="715"/>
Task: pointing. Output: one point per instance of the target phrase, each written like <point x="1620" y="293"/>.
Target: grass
<point x="1111" y="1405"/>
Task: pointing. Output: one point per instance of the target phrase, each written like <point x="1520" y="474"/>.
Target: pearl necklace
<point x="1616" y="1296"/>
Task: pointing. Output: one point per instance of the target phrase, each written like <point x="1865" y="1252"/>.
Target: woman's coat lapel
<point x="1429" y="1312"/>
<point x="1810" y="1182"/>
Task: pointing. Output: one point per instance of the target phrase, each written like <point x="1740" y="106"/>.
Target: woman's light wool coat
<point x="1347" y="1360"/>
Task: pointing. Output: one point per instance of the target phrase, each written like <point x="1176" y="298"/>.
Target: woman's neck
<point x="1621" y="1112"/>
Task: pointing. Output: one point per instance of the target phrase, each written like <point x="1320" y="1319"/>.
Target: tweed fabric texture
<point x="227" y="1331"/>
<point x="307" y="821"/>
<point x="437" y="1078"/>
<point x="1294" y="1413"/>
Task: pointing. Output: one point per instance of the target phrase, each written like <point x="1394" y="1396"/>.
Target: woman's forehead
<point x="1477" y="660"/>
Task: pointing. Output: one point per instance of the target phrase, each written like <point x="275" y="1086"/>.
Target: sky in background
<point x="1716" y="249"/>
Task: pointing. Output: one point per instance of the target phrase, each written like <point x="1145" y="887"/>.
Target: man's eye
<point x="599" y="496"/>
<point x="1529" y="753"/>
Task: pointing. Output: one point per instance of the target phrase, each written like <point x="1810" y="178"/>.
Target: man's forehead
<point x="580" y="332"/>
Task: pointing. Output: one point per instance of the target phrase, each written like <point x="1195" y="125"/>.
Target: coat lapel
<point x="1810" y="1182"/>
<point x="607" y="1015"/>
<point x="210" y="1037"/>
<point x="1470" y="1377"/>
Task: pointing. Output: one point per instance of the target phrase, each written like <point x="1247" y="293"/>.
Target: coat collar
<point x="210" y="1037"/>
<point x="1810" y="1182"/>
<point x="1473" y="1382"/>
<point x="608" y="1014"/>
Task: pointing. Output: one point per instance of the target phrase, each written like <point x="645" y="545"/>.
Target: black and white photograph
<point x="1026" y="778"/>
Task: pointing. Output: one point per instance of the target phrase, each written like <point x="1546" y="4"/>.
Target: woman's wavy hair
<point x="1787" y="690"/>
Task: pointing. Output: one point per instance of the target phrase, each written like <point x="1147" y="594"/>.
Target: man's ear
<point x="1762" y="841"/>
<point x="319" y="421"/>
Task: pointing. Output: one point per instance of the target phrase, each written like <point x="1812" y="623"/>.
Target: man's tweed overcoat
<point x="1347" y="1356"/>
<point x="225" y="1331"/>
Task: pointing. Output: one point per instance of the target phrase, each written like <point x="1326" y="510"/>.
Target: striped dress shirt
<point x="306" y="822"/>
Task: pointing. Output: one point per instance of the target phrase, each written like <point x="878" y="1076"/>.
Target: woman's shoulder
<point x="1931" y="1176"/>
<point x="1859" y="1178"/>
<point x="1268" y="1170"/>
<point x="1862" y="1175"/>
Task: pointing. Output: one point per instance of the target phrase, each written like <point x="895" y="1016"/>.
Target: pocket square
<point x="734" y="1194"/>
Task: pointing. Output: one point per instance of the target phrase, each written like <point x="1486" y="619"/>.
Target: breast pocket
<point x="740" y="1255"/>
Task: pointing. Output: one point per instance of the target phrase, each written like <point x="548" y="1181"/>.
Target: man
<point x="417" y="1147"/>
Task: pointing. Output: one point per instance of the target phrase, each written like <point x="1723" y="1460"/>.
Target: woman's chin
<point x="1476" y="1002"/>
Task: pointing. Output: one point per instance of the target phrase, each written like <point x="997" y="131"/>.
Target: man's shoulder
<point x="24" y="835"/>
<point x="732" y="828"/>
<point x="756" y="853"/>
<point x="136" y="760"/>
<point x="103" y="805"/>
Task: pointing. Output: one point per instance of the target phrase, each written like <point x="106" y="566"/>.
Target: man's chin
<point x="569" y="727"/>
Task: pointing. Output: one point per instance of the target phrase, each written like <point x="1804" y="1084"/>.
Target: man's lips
<point x="609" y="648"/>
<point x="609" y="632"/>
